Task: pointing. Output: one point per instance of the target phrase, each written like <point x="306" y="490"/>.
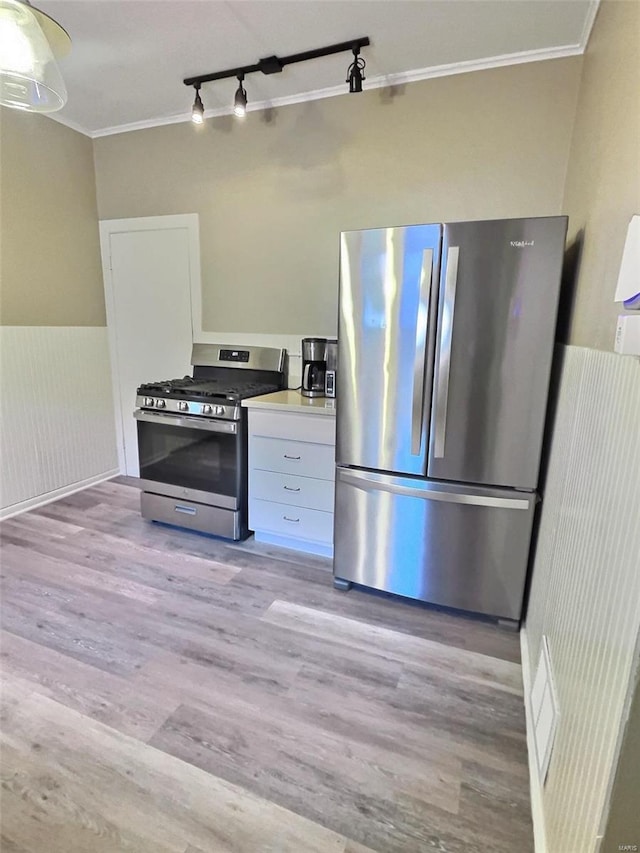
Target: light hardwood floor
<point x="166" y="692"/>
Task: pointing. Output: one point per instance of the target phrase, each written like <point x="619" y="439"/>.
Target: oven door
<point x="199" y="459"/>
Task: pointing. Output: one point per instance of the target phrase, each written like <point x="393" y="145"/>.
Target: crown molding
<point x="589" y="21"/>
<point x="67" y="122"/>
<point x="380" y="82"/>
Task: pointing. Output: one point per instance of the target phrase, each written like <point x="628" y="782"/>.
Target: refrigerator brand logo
<point x="520" y="244"/>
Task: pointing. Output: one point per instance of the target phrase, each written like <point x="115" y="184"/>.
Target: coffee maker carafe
<point x="314" y="366"/>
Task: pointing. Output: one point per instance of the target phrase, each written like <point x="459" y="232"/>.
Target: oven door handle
<point x="229" y="427"/>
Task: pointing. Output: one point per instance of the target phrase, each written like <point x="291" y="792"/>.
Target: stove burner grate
<point x="189" y="388"/>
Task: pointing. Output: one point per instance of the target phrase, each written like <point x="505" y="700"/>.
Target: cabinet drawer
<point x="291" y="521"/>
<point x="317" y="429"/>
<point x="292" y="457"/>
<point x="292" y="489"/>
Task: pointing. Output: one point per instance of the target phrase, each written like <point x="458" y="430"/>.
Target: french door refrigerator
<point x="446" y="336"/>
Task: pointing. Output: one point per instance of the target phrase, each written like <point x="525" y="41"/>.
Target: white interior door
<point x="152" y="275"/>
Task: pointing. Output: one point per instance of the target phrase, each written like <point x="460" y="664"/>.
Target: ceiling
<point x="129" y="57"/>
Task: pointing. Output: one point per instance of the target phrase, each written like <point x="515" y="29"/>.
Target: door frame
<point x="186" y="221"/>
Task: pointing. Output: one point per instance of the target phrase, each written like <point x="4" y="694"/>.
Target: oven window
<point x="191" y="458"/>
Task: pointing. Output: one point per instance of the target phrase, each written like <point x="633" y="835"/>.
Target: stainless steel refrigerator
<point x="446" y="336"/>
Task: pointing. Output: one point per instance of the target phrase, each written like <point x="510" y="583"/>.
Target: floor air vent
<point x="544" y="711"/>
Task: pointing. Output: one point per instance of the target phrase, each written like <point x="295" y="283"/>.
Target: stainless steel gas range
<point x="192" y="438"/>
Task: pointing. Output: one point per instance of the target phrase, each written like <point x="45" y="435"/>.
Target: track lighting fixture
<point x="355" y="71"/>
<point x="30" y="44"/>
<point x="197" y="111"/>
<point x="240" y="100"/>
<point x="274" y="65"/>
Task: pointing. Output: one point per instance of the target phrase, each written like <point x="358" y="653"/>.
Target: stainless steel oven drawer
<point x="195" y="516"/>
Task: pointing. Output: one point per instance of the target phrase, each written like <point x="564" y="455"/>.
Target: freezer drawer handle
<point x="371" y="484"/>
<point x="417" y="414"/>
<point x="291" y="489"/>
<point x="291" y="457"/>
<point x="294" y="520"/>
<point x="445" y="338"/>
<point x="187" y="510"/>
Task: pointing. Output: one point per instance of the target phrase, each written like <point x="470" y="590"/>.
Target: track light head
<point x="355" y="72"/>
<point x="197" y="111"/>
<point x="240" y="99"/>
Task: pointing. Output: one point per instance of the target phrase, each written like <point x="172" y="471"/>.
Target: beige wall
<point x="50" y="269"/>
<point x="53" y="338"/>
<point x="274" y="191"/>
<point x="603" y="181"/>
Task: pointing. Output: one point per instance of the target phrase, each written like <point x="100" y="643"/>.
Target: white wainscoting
<point x="56" y="413"/>
<point x="585" y="592"/>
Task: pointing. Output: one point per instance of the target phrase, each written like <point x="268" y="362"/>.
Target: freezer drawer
<point x="447" y="544"/>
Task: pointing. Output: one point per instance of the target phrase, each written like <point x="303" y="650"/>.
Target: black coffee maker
<point x="314" y="366"/>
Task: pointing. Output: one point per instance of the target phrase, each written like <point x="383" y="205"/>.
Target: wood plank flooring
<point x="165" y="692"/>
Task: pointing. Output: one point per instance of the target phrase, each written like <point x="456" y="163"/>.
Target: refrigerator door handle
<point x="417" y="413"/>
<point x="368" y="483"/>
<point x="445" y="337"/>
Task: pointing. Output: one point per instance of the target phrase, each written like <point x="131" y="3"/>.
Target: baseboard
<point x="294" y="544"/>
<point x="48" y="497"/>
<point x="537" y="810"/>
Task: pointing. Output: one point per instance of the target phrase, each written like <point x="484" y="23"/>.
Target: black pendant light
<point x="197" y="111"/>
<point x="355" y="72"/>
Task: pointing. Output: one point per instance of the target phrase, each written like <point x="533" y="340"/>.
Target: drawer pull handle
<point x="295" y="520"/>
<point x="187" y="510"/>
<point x="291" y="457"/>
<point x="291" y="489"/>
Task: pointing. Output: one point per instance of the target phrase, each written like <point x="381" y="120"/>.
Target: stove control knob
<point x="219" y="410"/>
<point x="160" y="404"/>
<point x="207" y="409"/>
<point x="148" y="401"/>
<point x="183" y="407"/>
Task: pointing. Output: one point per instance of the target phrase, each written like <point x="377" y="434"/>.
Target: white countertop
<point x="292" y="401"/>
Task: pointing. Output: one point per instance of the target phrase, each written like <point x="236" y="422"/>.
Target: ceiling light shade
<point x="240" y="100"/>
<point x="30" y="42"/>
<point x="197" y="111"/>
<point x="355" y="72"/>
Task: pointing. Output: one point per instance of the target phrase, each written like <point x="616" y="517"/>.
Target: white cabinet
<point x="291" y="479"/>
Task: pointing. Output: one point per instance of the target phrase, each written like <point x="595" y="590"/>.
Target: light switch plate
<point x="628" y="334"/>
